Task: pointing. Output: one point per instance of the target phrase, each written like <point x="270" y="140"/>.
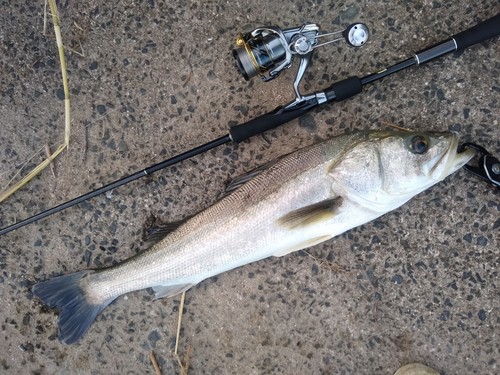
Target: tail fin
<point x="76" y="313"/>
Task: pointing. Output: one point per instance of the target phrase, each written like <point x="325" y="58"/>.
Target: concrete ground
<point x="150" y="79"/>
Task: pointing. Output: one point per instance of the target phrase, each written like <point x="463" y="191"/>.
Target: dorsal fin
<point x="156" y="230"/>
<point x="242" y="179"/>
<point x="311" y="214"/>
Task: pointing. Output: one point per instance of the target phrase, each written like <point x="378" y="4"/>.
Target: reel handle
<point x="476" y="34"/>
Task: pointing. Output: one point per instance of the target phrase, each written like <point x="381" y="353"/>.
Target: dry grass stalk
<point x="154" y="362"/>
<point x="179" y="321"/>
<point x="49" y="154"/>
<point x="45" y="18"/>
<point x="67" y="114"/>
<point x="393" y="125"/>
<point x="184" y="366"/>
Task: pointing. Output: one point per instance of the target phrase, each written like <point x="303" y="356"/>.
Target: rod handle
<point x="271" y="120"/>
<point x="476" y="34"/>
<point x="344" y="89"/>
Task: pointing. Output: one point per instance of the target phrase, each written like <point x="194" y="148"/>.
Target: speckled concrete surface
<point x="157" y="78"/>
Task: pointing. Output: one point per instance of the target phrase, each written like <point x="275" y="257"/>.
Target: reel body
<point x="271" y="50"/>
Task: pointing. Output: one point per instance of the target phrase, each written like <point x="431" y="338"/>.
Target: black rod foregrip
<point x="344" y="89"/>
<point x="271" y="120"/>
<point x="479" y="33"/>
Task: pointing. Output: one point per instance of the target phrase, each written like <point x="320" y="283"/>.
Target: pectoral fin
<point x="312" y="214"/>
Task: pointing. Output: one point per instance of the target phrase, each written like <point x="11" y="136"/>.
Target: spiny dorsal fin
<point x="158" y="230"/>
<point x="311" y="214"/>
<point x="245" y="177"/>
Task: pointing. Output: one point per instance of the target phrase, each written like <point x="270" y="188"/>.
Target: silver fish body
<point x="303" y="199"/>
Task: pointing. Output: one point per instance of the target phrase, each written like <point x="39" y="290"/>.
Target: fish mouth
<point x="451" y="160"/>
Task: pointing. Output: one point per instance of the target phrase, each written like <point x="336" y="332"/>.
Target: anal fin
<point x="162" y="291"/>
<point x="311" y="214"/>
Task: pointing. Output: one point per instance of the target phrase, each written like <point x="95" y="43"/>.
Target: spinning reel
<point x="271" y="50"/>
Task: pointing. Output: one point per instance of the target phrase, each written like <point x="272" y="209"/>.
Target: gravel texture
<point x="155" y="78"/>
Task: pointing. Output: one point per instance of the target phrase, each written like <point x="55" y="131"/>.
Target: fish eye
<point x="419" y="144"/>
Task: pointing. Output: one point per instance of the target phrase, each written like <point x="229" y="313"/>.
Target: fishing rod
<point x="271" y="50"/>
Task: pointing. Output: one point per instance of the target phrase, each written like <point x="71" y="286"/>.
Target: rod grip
<point x="271" y="120"/>
<point x="476" y="34"/>
<point x="344" y="89"/>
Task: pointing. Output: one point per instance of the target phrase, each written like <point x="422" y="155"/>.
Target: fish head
<point x="385" y="169"/>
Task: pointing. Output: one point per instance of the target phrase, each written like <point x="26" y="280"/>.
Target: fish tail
<point x="76" y="312"/>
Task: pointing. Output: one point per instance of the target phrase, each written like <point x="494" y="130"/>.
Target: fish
<point x="300" y="200"/>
